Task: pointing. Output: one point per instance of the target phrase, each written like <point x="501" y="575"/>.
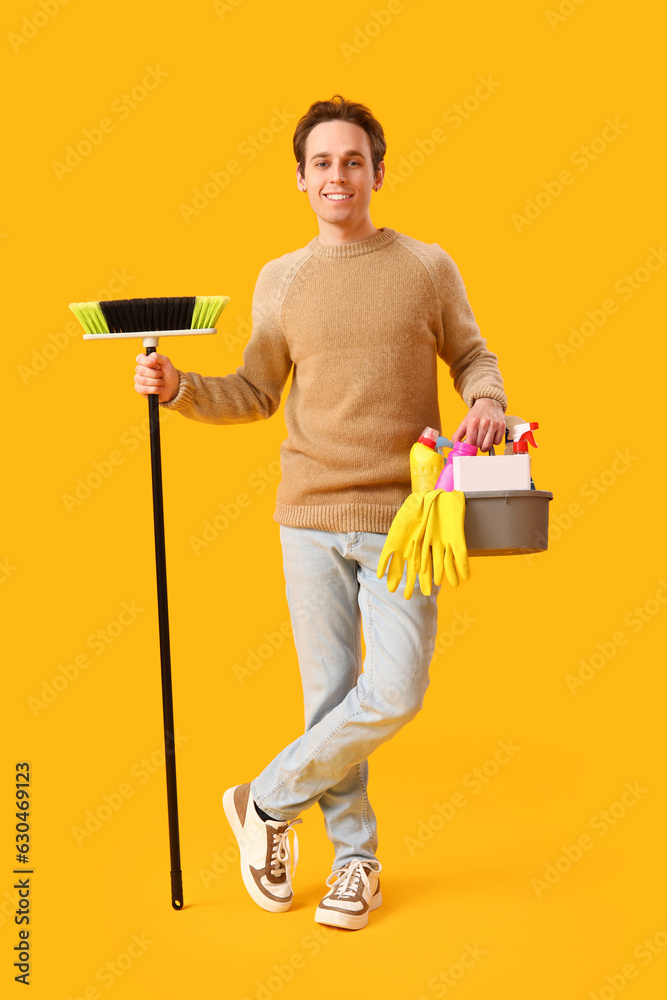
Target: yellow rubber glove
<point x="403" y="543"/>
<point x="404" y="540"/>
<point x="444" y="540"/>
<point x="422" y="566"/>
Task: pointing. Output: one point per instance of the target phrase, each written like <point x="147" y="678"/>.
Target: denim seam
<point x="364" y="814"/>
<point x="370" y="651"/>
<point x="357" y="634"/>
<point x="317" y="749"/>
<point x="353" y="542"/>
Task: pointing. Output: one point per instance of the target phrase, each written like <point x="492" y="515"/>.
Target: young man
<point x="359" y="316"/>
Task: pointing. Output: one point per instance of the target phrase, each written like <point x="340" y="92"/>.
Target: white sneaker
<point x="354" y="892"/>
<point x="265" y="850"/>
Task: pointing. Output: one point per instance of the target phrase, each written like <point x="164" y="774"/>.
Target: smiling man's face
<point x="339" y="176"/>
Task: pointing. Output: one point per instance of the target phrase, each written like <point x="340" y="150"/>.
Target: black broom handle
<point x="165" y="653"/>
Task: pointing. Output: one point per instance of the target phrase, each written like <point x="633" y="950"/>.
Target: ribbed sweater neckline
<point x="382" y="238"/>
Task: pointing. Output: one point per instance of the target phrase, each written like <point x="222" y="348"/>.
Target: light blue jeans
<point x="332" y="587"/>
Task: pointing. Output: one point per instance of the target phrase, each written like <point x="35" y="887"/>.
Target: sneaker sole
<point x="349" y="921"/>
<point x="248" y="881"/>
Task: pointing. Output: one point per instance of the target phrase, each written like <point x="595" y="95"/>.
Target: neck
<point x="350" y="233"/>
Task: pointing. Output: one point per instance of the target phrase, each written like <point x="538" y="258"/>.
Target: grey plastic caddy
<point x="507" y="522"/>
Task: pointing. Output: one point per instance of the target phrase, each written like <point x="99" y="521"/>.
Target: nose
<point x="338" y="173"/>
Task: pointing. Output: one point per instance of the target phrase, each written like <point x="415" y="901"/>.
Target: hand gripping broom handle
<point x="165" y="652"/>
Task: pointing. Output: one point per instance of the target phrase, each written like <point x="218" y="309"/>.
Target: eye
<point x="324" y="163"/>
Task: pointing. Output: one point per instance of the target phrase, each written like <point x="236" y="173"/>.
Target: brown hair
<point x="339" y="108"/>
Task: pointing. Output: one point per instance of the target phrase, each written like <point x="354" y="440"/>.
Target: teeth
<point x="337" y="197"/>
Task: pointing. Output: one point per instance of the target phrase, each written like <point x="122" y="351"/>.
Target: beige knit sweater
<point x="360" y="326"/>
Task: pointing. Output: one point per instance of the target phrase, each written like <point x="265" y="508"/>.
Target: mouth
<point x="335" y="196"/>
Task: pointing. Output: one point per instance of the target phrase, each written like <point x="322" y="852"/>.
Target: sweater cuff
<point x="183" y="397"/>
<point x="487" y="392"/>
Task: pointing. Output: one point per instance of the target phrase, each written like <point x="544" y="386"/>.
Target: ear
<point x="379" y="176"/>
<point x="300" y="182"/>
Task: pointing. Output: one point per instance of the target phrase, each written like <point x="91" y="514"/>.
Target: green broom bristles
<point x="90" y="316"/>
<point x="150" y="315"/>
<point x="207" y="311"/>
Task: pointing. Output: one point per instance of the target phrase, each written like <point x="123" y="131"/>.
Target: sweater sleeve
<point x="253" y="391"/>
<point x="472" y="366"/>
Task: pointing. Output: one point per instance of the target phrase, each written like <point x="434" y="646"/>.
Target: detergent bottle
<point x="446" y="479"/>
<point x="425" y="462"/>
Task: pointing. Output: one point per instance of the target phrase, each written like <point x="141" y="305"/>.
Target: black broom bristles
<point x="199" y="312"/>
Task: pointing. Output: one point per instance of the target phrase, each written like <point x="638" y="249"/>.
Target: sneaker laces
<point x="346" y="879"/>
<point x="280" y="851"/>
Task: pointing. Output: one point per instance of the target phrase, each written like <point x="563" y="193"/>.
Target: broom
<point x="151" y="319"/>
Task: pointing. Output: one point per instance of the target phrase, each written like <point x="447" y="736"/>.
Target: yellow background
<point x="465" y="882"/>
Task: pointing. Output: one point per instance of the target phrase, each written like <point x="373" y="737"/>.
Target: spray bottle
<point x="425" y="462"/>
<point x="518" y="435"/>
